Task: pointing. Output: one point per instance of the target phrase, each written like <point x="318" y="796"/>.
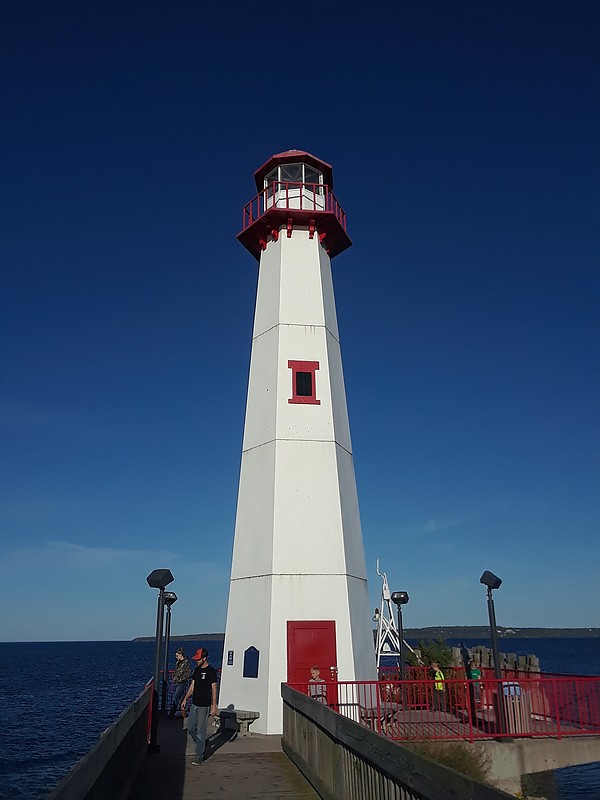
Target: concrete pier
<point x="511" y="760"/>
<point x="249" y="767"/>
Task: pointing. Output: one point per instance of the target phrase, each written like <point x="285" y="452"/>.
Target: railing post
<point x="557" y="707"/>
<point x="470" y="692"/>
<point x="150" y="708"/>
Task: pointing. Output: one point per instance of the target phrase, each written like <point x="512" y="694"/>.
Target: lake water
<point x="56" y="698"/>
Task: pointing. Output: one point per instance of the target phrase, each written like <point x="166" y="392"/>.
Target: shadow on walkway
<point x="249" y="767"/>
<point x="163" y="773"/>
<point x="218" y="740"/>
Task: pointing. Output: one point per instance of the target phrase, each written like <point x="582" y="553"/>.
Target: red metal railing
<point x="292" y="196"/>
<point x="530" y="706"/>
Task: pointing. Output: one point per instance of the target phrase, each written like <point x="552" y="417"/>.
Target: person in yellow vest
<point x="439" y="687"/>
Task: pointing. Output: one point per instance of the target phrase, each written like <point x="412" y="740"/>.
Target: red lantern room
<point x="295" y="190"/>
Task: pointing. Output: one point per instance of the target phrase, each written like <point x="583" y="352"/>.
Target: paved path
<point x="249" y="767"/>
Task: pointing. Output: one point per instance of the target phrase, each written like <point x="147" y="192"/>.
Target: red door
<point x="312" y="643"/>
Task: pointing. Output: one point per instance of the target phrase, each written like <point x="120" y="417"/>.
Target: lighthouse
<point x="298" y="590"/>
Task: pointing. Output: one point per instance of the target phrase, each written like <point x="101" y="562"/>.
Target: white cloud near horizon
<point x="435" y="525"/>
<point x="64" y="590"/>
<point x="78" y="556"/>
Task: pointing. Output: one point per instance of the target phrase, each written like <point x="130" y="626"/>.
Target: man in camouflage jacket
<point x="180" y="680"/>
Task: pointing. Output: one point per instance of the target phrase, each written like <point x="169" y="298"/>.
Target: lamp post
<point x="492" y="582"/>
<point x="169" y="598"/>
<point x="158" y="579"/>
<point x="400" y="599"/>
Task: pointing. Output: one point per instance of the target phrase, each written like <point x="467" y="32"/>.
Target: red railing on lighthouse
<point x="289" y="203"/>
<point x="290" y="196"/>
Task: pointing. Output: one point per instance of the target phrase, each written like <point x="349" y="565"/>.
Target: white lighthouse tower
<point x="298" y="590"/>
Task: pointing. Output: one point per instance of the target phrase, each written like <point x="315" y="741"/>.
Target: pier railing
<point x="111" y="766"/>
<point x="533" y="705"/>
<point x="342" y="759"/>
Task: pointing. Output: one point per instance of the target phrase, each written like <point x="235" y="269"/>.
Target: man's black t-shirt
<point x="203" y="678"/>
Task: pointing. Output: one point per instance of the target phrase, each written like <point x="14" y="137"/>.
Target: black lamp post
<point x="400" y="599"/>
<point x="494" y="582"/>
<point x="158" y="579"/>
<point x="169" y="599"/>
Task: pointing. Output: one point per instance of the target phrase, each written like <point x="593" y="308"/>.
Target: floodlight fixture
<point x="490" y="580"/>
<point x="159" y="578"/>
<point x="400" y="598"/>
<point x="170" y="598"/>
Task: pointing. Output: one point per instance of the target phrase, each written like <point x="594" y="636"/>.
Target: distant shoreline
<point x="188" y="637"/>
<point x="438" y="632"/>
<point x="483" y="631"/>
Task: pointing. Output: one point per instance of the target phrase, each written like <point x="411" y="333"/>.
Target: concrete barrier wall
<point x="343" y="759"/>
<point x="110" y="768"/>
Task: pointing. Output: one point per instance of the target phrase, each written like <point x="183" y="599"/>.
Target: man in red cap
<point x="203" y="691"/>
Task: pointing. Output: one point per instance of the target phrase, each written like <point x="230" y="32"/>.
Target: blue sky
<point x="464" y="140"/>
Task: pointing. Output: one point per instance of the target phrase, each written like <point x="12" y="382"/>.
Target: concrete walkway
<point x="249" y="767"/>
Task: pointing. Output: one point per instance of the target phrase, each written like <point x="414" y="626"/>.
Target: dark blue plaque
<point x="251" y="663"/>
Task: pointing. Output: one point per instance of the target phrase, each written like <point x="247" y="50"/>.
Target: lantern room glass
<point x="295" y="185"/>
<point x="294" y="173"/>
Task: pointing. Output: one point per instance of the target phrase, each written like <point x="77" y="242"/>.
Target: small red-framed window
<point x="304" y="383"/>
